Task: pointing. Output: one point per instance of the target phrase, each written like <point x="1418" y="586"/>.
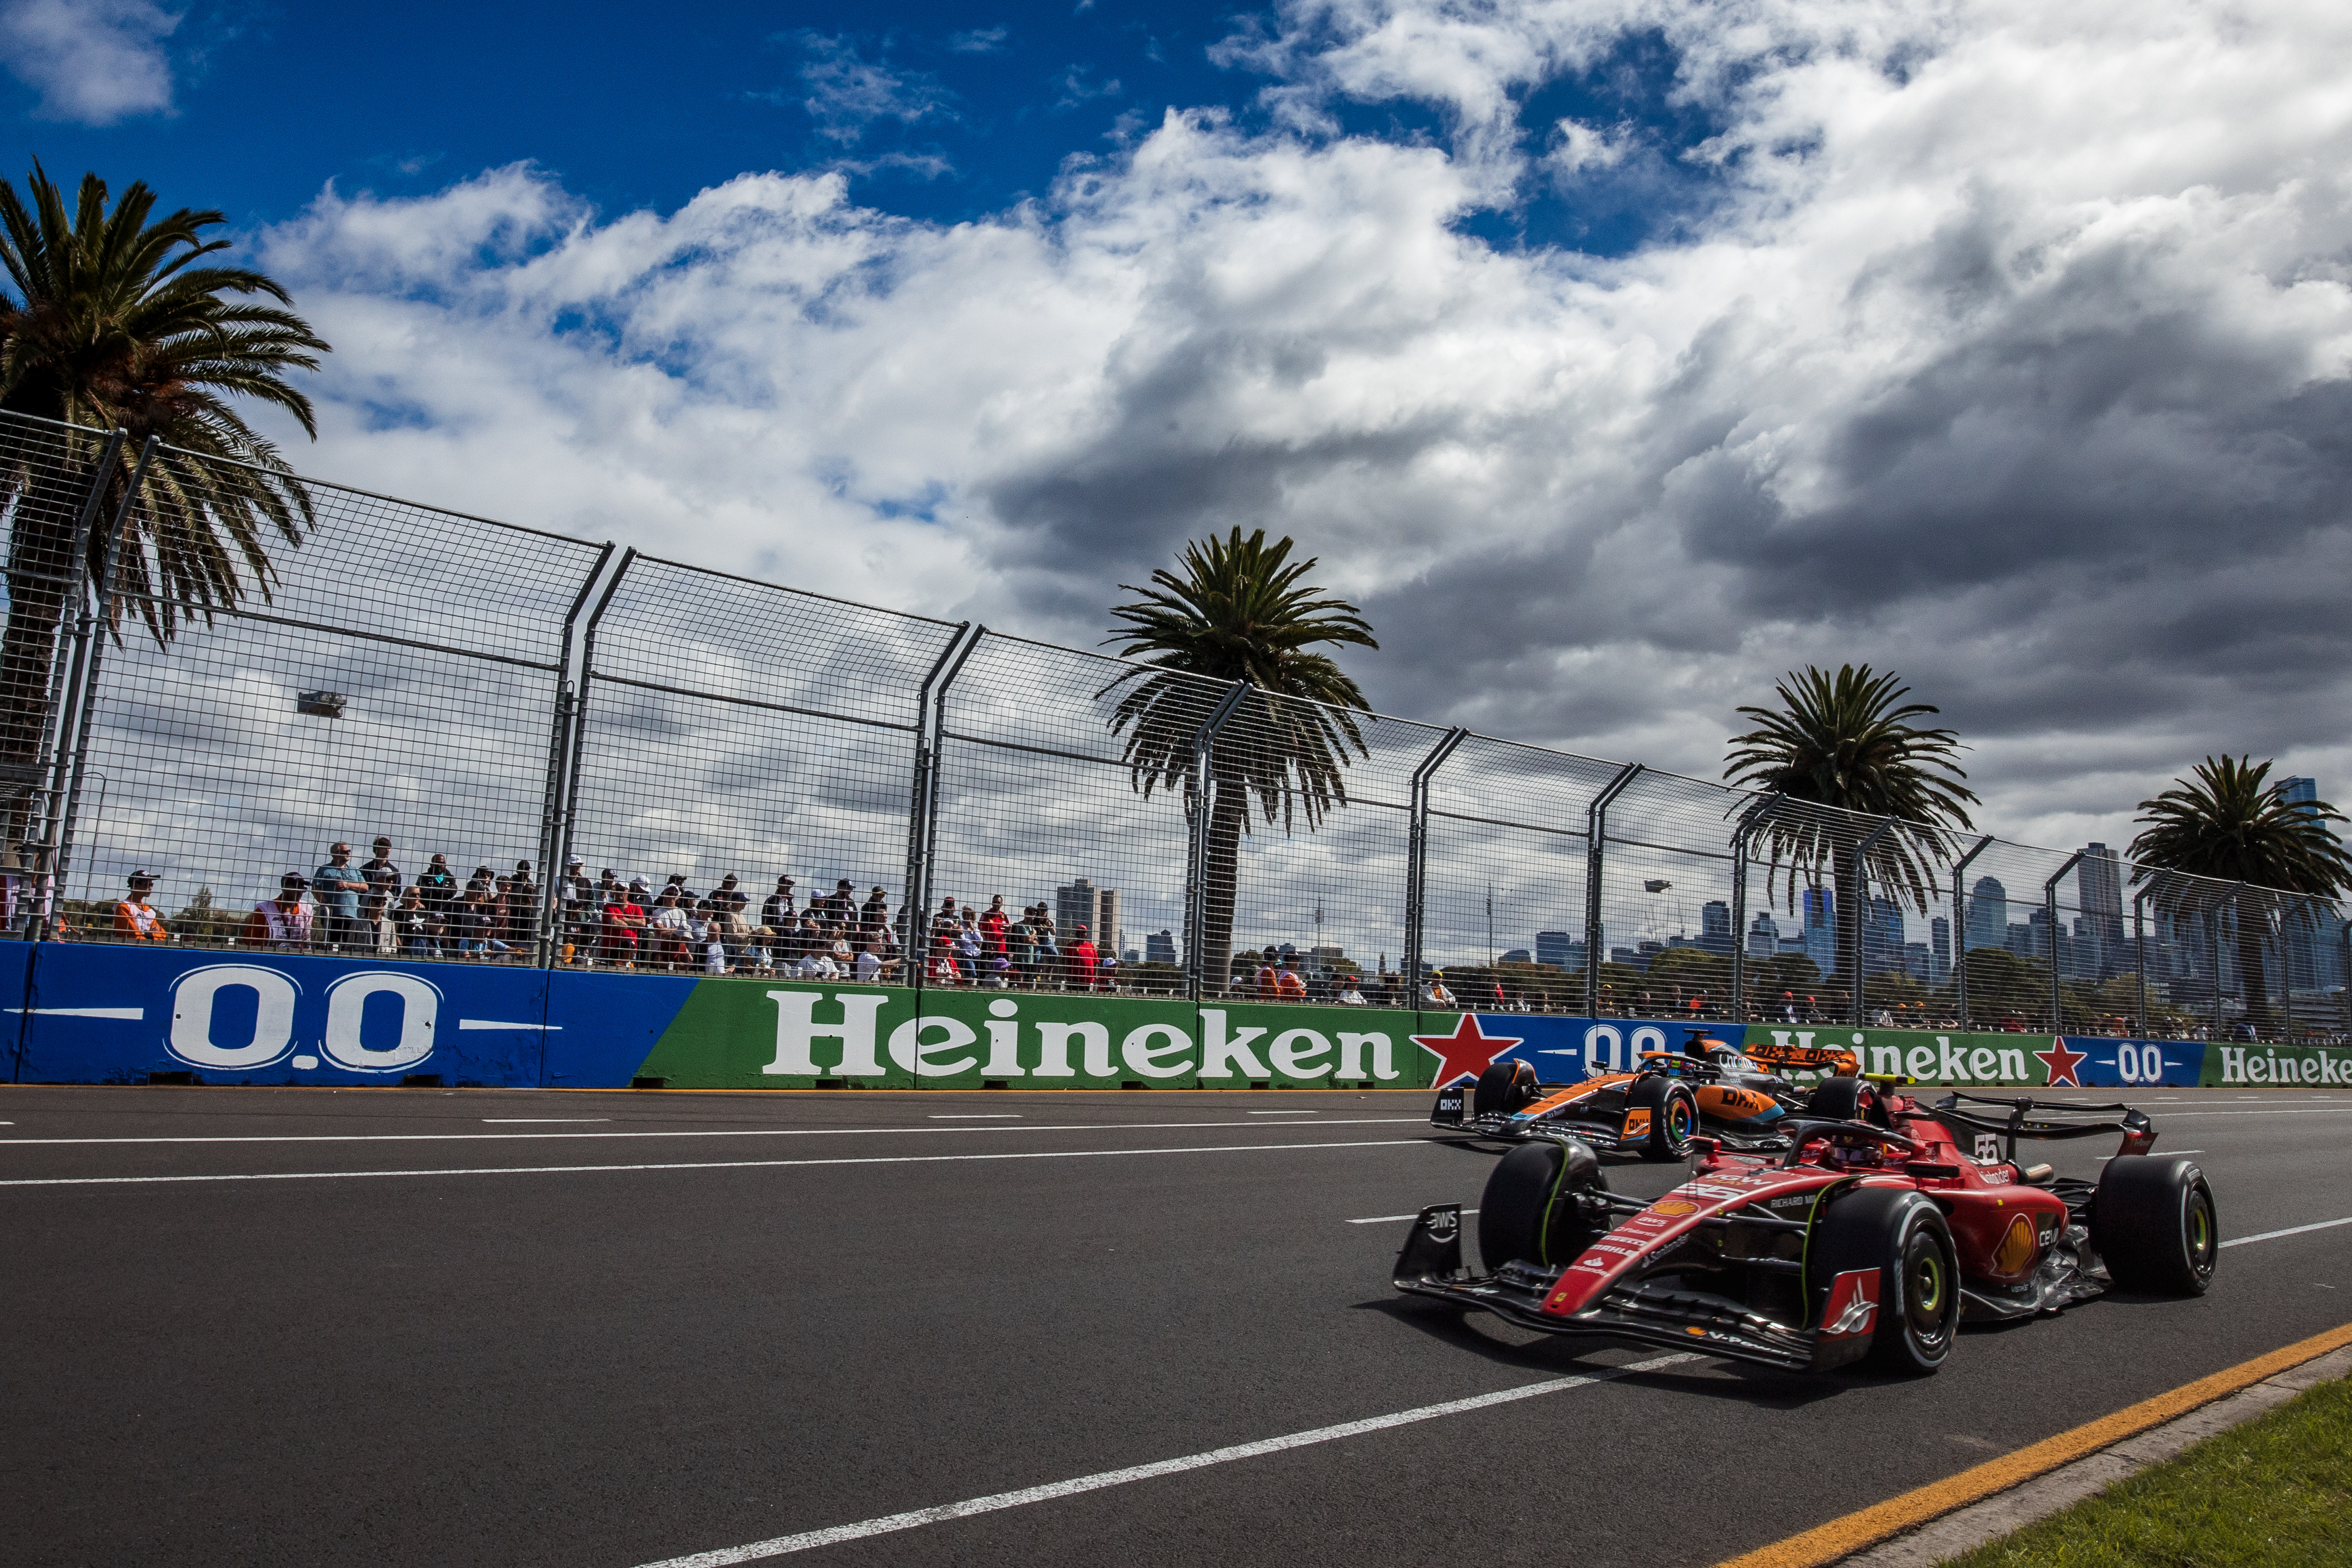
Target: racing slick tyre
<point x="1502" y="1089"/>
<point x="1528" y="1212"/>
<point x="1674" y="1116"/>
<point x="1900" y="1234"/>
<point x="2153" y="1224"/>
<point x="1847" y="1100"/>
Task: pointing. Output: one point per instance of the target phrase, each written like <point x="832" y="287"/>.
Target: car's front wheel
<point x="1673" y="1117"/>
<point x="1881" y="1263"/>
<point x="2153" y="1223"/>
<point x="1528" y="1212"/>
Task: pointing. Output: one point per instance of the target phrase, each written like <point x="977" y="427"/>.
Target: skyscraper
<point x="1763" y="937"/>
<point x="1988" y="917"/>
<point x="1159" y="947"/>
<point x="1939" y="951"/>
<point x="1096" y="909"/>
<point x="1559" y="948"/>
<point x="1715" y="927"/>
<point x="2098" y="886"/>
<point x="2313" y="959"/>
<point x="1820" y="930"/>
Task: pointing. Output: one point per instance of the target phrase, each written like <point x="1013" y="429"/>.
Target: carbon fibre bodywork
<point x="1734" y="1262"/>
<point x="1733" y="1097"/>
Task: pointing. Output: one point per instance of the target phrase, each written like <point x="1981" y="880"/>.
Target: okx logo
<point x="241" y="1017"/>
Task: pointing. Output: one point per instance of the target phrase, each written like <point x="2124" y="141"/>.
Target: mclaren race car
<point x="1733" y="1097"/>
<point x="1871" y="1238"/>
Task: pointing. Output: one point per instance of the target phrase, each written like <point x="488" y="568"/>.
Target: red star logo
<point x="1466" y="1052"/>
<point x="2061" y="1064"/>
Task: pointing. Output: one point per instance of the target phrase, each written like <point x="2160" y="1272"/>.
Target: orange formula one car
<point x="1872" y="1237"/>
<point x="1736" y="1098"/>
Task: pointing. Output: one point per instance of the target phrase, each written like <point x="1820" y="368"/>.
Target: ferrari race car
<point x="1731" y="1096"/>
<point x="1871" y="1238"/>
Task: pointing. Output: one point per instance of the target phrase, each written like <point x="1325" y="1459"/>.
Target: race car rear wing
<point x="2138" y="1132"/>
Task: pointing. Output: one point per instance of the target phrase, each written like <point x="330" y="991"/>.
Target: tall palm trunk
<point x="1228" y="818"/>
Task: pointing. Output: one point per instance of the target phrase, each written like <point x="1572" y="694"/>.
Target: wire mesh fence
<point x="243" y="709"/>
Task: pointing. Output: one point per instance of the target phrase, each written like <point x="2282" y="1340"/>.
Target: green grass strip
<point x="2276" y="1491"/>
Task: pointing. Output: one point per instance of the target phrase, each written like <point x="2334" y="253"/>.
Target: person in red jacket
<point x="993" y="926"/>
<point x="1082" y="961"/>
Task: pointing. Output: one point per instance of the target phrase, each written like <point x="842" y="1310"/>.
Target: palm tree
<point x="2226" y="826"/>
<point x="1239" y="613"/>
<point x="1847" y="741"/>
<point x="111" y="325"/>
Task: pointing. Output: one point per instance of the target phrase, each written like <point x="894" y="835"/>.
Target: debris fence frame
<point x="500" y="702"/>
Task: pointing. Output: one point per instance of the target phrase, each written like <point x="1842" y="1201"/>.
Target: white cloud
<point x="847" y="92"/>
<point x="2015" y="355"/>
<point x="95" y="61"/>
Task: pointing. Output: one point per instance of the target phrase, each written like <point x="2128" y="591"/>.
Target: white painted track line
<point x="2291" y="1230"/>
<point x="724" y="1132"/>
<point x="696" y="1165"/>
<point x="784" y="1544"/>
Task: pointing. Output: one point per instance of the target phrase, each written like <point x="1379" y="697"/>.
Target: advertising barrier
<point x="88" y="1014"/>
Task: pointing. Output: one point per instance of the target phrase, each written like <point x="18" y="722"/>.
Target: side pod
<point x="1433" y="1246"/>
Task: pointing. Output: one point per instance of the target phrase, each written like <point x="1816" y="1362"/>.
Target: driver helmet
<point x="1853" y="1152"/>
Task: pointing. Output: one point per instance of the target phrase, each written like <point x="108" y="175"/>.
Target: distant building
<point x="1939" y="951"/>
<point x="1517" y="955"/>
<point x="1324" y="960"/>
<point x="1715" y="927"/>
<point x="1159" y="947"/>
<point x="1096" y="909"/>
<point x="1820" y="930"/>
<point x="1559" y="950"/>
<point x="1916" y="962"/>
<point x="2098" y="887"/>
<point x="1987" y="924"/>
<point x="1763" y="937"/>
<point x="1881" y="937"/>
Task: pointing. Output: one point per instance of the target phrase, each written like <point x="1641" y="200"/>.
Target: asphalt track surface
<point x="615" y="1329"/>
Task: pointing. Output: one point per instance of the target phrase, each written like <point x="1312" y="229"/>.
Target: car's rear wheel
<point x="1502" y="1089"/>
<point x="1899" y="1243"/>
<point x="1847" y="1099"/>
<point x="2154" y="1224"/>
<point x="1674" y="1116"/>
<point x="1528" y="1212"/>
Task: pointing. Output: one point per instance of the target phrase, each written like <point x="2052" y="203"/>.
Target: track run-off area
<point x="625" y="1327"/>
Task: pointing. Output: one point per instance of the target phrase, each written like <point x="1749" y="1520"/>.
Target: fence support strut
<point x="548" y="940"/>
<point x="2139" y="956"/>
<point x="82" y="687"/>
<point x="922" y="813"/>
<point x="1960" y="937"/>
<point x="1596" y="827"/>
<point x="1416" y="865"/>
<point x="576" y="742"/>
<point x="1862" y="913"/>
<point x="2050" y="915"/>
<point x="1754" y="819"/>
<point x="1196" y="875"/>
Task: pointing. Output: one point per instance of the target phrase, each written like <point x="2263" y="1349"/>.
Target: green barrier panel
<point x="1292" y="1047"/>
<point x="1984" y="1059"/>
<point x="2235" y="1067"/>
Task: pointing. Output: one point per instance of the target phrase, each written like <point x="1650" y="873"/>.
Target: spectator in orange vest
<point x="134" y="918"/>
<point x="1289" y="985"/>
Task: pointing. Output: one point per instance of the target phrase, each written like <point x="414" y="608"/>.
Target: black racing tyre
<point x="1503" y="1088"/>
<point x="2154" y="1224"/>
<point x="1674" y="1116"/>
<point x="1901" y="1235"/>
<point x="1529" y="1212"/>
<point x="1847" y="1100"/>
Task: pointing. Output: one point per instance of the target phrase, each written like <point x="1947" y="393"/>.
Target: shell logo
<point x="1674" y="1207"/>
<point x="2016" y="1248"/>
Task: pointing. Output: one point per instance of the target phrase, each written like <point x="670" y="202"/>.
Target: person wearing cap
<point x="993" y="926"/>
<point x="135" y="919"/>
<point x="521" y="905"/>
<point x="1269" y="983"/>
<point x="437" y="886"/>
<point x="579" y="909"/>
<point x="283" y="922"/>
<point x="378" y="871"/>
<point x="838" y="908"/>
<point x="1082" y="959"/>
<point x="337" y="887"/>
<point x="1288" y="986"/>
<point x="776" y="911"/>
<point x="624" y="918"/>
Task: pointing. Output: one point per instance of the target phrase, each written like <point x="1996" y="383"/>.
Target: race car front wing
<point x="1634" y="1312"/>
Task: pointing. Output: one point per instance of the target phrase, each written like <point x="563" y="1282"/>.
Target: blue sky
<point x="1615" y="355"/>
<point x="941" y="114"/>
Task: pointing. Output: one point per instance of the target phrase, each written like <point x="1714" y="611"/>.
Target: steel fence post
<point x="576" y="743"/>
<point x="923" y="813"/>
<point x="45" y="780"/>
<point x="1199" y="809"/>
<point x="1754" y="818"/>
<point x="2230" y="904"/>
<point x="1862" y="912"/>
<point x="2139" y="954"/>
<point x="1596" y="827"/>
<point x="2344" y="939"/>
<point x="2050" y="915"/>
<point x="1961" y="942"/>
<point x="82" y="690"/>
<point x="1416" y="866"/>
<point x="548" y="940"/>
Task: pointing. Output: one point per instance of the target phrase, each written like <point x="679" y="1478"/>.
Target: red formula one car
<point x="1870" y="1238"/>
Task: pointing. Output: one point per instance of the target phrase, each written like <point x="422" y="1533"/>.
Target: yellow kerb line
<point x="1843" y="1537"/>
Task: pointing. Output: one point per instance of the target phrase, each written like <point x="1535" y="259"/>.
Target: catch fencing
<point x="208" y="692"/>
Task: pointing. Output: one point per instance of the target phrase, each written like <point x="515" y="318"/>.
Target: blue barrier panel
<point x="97" y="1014"/>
